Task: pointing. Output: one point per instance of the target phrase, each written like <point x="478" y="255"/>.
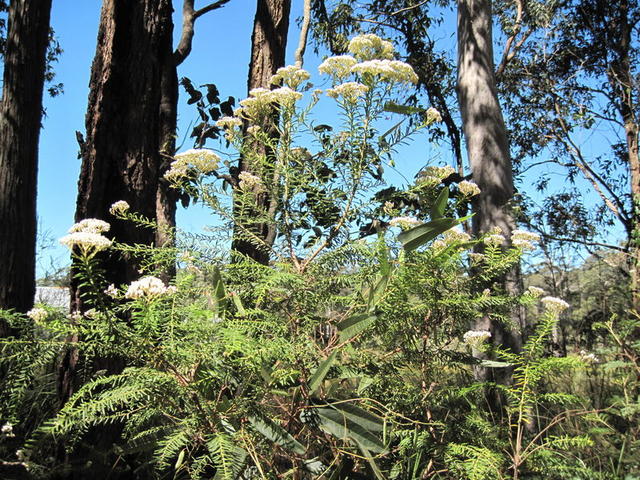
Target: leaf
<point x="438" y="208"/>
<point x="494" y="364"/>
<point x="238" y="303"/>
<point x="402" y="109"/>
<point x="180" y="460"/>
<point x="372" y="463"/>
<point x="417" y="236"/>
<point x="321" y="372"/>
<point x="219" y="293"/>
<point x="366" y="419"/>
<point x="212" y="93"/>
<point x="339" y="425"/>
<point x="278" y="435"/>
<point x="354" y="325"/>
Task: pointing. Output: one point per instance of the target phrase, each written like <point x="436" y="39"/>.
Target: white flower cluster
<point x="119" y="208"/>
<point x="201" y="160"/>
<point x="404" y="222"/>
<point x="535" y="292"/>
<point x="370" y="46"/>
<point x="148" y="287"/>
<point x="522" y="239"/>
<point x="339" y="67"/>
<point x="90" y="225"/>
<point x="588" y="357"/>
<point x="228" y="123"/>
<point x="111" y="290"/>
<point x="475" y="338"/>
<point x="350" y="91"/>
<point x="38" y="314"/>
<point x="261" y="101"/>
<point x="554" y="305"/>
<point x="450" y="237"/>
<point x="290" y="76"/>
<point x="249" y="181"/>
<point x="86" y="235"/>
<point x="468" y="189"/>
<point x="494" y="240"/>
<point x="432" y="116"/>
<point x="387" y="70"/>
<point x="7" y="430"/>
<point x="434" y="175"/>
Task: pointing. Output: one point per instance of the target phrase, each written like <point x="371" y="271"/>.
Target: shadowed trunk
<point x="20" y="117"/>
<point x="268" y="48"/>
<point x="487" y="150"/>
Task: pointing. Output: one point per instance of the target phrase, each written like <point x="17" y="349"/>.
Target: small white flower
<point x="90" y="225"/>
<point x="494" y="240"/>
<point x="476" y="258"/>
<point x="7" y="430"/>
<point x="350" y="91"/>
<point x="523" y="244"/>
<point x="388" y="208"/>
<point x="588" y="357"/>
<point x="22" y="455"/>
<point x="404" y="222"/>
<point x="146" y="287"/>
<point x="38" y="314"/>
<point x="432" y="116"/>
<point x="475" y="338"/>
<point x="75" y="316"/>
<point x="468" y="189"/>
<point x="111" y="290"/>
<point x="392" y="71"/>
<point x="249" y="181"/>
<point x="285" y="96"/>
<point x="338" y="67"/>
<point x="370" y="46"/>
<point x="524" y="235"/>
<point x="554" y="305"/>
<point x="290" y="76"/>
<point x="228" y="123"/>
<point x="434" y="175"/>
<point x="535" y="291"/>
<point x="119" y="208"/>
<point x="86" y="241"/>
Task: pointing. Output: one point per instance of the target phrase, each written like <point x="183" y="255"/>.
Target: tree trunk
<point x="20" y="117"/>
<point x="268" y="49"/>
<point x="121" y="156"/>
<point x="487" y="147"/>
<point x="126" y="127"/>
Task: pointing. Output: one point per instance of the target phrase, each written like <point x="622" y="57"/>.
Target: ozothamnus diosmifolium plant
<point x="341" y="357"/>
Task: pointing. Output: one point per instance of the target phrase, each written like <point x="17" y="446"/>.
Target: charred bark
<point x="20" y="118"/>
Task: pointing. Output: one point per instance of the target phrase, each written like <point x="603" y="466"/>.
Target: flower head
<point x="554" y="305"/>
<point x="201" y="160"/>
<point x="350" y="91"/>
<point x="432" y="116"/>
<point x="38" y="314"/>
<point x="146" y="287"/>
<point x="228" y="123"/>
<point x="86" y="241"/>
<point x="249" y="181"/>
<point x="494" y="240"/>
<point x="535" y="292"/>
<point x="522" y="239"/>
<point x="475" y="338"/>
<point x="90" y="225"/>
<point x="404" y="222"/>
<point x="434" y="175"/>
<point x="369" y="47"/>
<point x="468" y="189"/>
<point x="339" y="67"/>
<point x="392" y="71"/>
<point x="290" y="76"/>
<point x="119" y="208"/>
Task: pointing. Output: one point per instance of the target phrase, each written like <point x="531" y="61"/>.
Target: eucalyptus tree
<point x="25" y="63"/>
<point x="268" y="49"/>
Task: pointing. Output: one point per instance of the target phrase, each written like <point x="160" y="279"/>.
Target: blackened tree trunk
<point x="487" y="147"/>
<point x="122" y="152"/>
<point x="121" y="155"/>
<point x="268" y="49"/>
<point x="20" y="117"/>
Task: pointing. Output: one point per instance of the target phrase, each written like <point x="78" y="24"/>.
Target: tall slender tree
<point x="268" y="49"/>
<point x="20" y="118"/>
<point x="487" y="146"/>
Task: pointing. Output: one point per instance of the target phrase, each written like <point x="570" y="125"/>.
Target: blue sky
<point x="220" y="55"/>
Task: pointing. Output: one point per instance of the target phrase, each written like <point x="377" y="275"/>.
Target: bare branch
<point x="189" y="16"/>
<point x="508" y="53"/>
<point x="304" y="31"/>
<point x="410" y="7"/>
<point x="585" y="242"/>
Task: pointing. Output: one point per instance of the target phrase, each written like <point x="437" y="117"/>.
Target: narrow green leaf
<point x="180" y="460"/>
<point x="494" y="364"/>
<point x="366" y="419"/>
<point x="354" y="325"/>
<point x="392" y="129"/>
<point x="238" y="303"/>
<point x="403" y="109"/>
<point x="276" y="434"/>
<point x="335" y="423"/>
<point x="438" y="208"/>
<point x="372" y="463"/>
<point x="417" y="236"/>
<point x="318" y="376"/>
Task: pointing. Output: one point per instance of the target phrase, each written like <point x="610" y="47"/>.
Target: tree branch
<point x="304" y="31"/>
<point x="189" y="17"/>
